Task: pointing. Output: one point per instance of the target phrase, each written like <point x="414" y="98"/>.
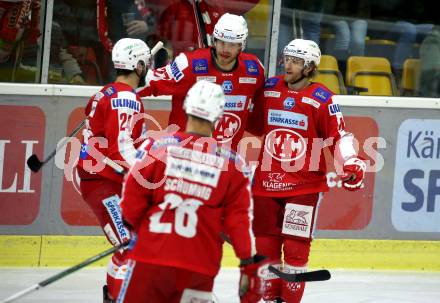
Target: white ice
<point x="345" y="286"/>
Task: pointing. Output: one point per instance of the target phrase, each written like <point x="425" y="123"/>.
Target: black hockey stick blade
<point x="34" y="163"/>
<point x="310" y="276"/>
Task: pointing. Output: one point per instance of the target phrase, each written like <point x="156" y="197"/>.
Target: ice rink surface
<point x="346" y="286"/>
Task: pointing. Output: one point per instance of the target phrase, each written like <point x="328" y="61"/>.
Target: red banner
<point x="341" y="209"/>
<point x="22" y="130"/>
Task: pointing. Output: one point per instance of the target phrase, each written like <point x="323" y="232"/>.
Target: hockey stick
<point x="310" y="276"/>
<point x="156" y="48"/>
<point x="63" y="273"/>
<point x="202" y="37"/>
<point x="34" y="163"/>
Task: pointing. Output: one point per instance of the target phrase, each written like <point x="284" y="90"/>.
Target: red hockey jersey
<point x="239" y="85"/>
<point x="180" y="195"/>
<point x="297" y="126"/>
<point x="112" y="114"/>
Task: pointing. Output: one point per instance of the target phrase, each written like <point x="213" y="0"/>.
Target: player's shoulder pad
<point x="176" y="68"/>
<point x="272" y="82"/>
<point x="321" y="93"/>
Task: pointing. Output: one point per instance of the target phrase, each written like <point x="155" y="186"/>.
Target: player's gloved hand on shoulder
<point x="131" y="242"/>
<point x="354" y="173"/>
<point x="251" y="286"/>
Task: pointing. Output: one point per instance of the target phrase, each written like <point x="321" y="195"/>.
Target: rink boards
<point x="61" y="251"/>
<point x="391" y="223"/>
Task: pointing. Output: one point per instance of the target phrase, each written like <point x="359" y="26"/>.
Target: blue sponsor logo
<point x="334" y="109"/>
<point x="289" y="103"/>
<point x="321" y="94"/>
<point x="115" y="213"/>
<point x="227" y="87"/>
<point x="251" y="67"/>
<point x="175" y="71"/>
<point x="83" y="153"/>
<point x="126" y="103"/>
<point x="109" y="91"/>
<point x="271" y="82"/>
<point x="200" y="66"/>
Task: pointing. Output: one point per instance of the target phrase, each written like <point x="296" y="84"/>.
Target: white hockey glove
<point x="354" y="173"/>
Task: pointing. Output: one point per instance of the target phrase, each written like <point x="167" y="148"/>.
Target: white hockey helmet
<point x="127" y="52"/>
<point x="307" y="50"/>
<point x="231" y="28"/>
<point x="205" y="100"/>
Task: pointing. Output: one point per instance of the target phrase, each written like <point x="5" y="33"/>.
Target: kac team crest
<point x="285" y="144"/>
<point x="227" y="127"/>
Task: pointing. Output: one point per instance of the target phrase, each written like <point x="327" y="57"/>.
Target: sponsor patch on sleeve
<point x="334" y="109"/>
<point x="83" y="153"/>
<point x="176" y="72"/>
<point x="271" y="82"/>
<point x="321" y="94"/>
<point x="251" y="67"/>
<point x="200" y="66"/>
<point x="98" y="96"/>
<point x="109" y="91"/>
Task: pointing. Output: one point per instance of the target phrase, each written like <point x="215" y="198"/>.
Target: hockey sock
<point x="270" y="246"/>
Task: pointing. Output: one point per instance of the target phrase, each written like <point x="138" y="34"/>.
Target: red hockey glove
<point x="250" y="287"/>
<point x="354" y="172"/>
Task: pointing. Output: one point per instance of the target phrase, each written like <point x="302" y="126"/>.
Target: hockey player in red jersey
<point x="180" y="202"/>
<point x="240" y="74"/>
<point x="300" y="118"/>
<point x="111" y="136"/>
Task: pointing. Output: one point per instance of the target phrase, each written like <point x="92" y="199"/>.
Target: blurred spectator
<point x="19" y="30"/>
<point x="430" y="65"/>
<point x="407" y="29"/>
<point x="74" y="43"/>
<point x="317" y="16"/>
<point x="120" y="18"/>
<point x="63" y="67"/>
<point x="350" y="34"/>
<point x="187" y="25"/>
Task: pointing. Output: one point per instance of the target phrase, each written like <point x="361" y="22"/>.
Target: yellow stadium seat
<point x="410" y="76"/>
<point x="329" y="75"/>
<point x="373" y="73"/>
